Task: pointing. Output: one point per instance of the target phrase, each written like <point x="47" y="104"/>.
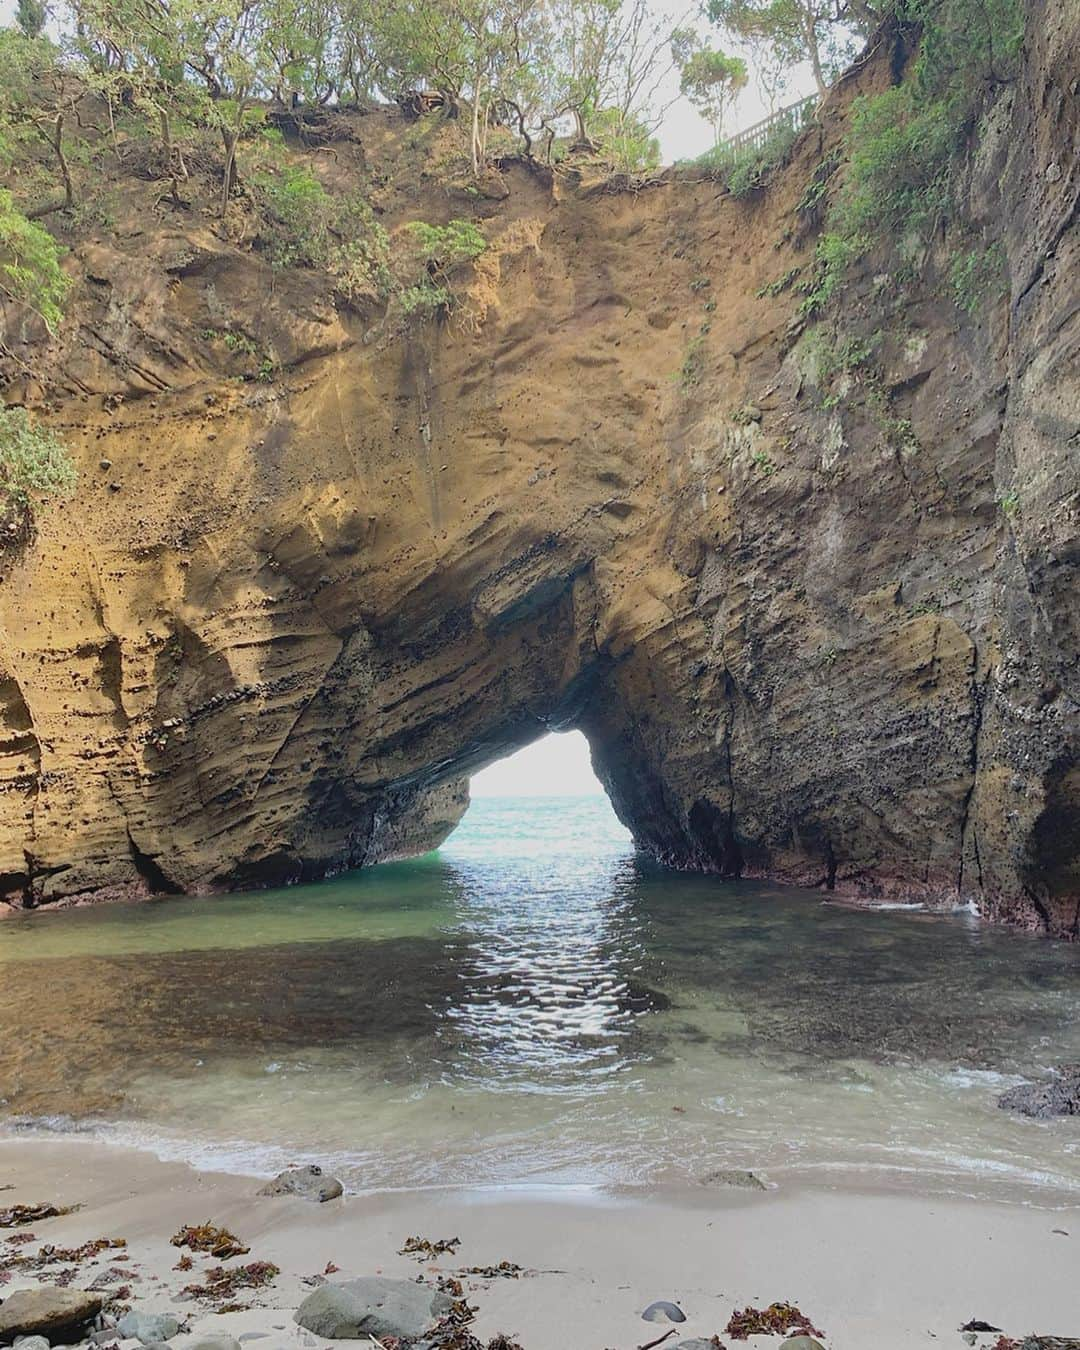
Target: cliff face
<point x="622" y="491"/>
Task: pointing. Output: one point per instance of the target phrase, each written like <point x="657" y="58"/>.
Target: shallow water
<point x="534" y="1004"/>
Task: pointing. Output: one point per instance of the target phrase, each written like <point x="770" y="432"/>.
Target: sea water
<point x="536" y="1005"/>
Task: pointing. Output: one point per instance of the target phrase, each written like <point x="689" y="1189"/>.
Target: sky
<point x="554" y="766"/>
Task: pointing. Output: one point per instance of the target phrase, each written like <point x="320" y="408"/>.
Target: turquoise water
<point x="534" y="1004"/>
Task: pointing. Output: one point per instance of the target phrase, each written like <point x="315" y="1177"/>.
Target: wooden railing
<point x="793" y="118"/>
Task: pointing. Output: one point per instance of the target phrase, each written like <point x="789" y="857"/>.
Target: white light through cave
<point x="557" y="765"/>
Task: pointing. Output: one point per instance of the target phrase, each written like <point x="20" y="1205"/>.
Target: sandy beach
<point x="874" y="1271"/>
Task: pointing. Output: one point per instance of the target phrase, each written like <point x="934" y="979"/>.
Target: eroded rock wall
<point x="624" y="490"/>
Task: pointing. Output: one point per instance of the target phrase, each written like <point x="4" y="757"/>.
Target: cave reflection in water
<point x="537" y="1004"/>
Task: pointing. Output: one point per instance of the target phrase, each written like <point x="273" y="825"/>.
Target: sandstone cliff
<point x="281" y="621"/>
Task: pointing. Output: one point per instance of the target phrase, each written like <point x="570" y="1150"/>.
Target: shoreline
<point x="844" y="896"/>
<point x="872" y="1269"/>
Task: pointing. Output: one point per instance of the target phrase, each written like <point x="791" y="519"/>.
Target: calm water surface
<point x="535" y="1004"/>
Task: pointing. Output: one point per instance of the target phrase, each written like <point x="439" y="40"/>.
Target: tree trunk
<point x="476" y="132"/>
<point x="230" y="138"/>
<point x="814" y="52"/>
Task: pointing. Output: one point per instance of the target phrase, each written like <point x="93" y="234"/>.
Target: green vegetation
<point x="693" y="366"/>
<point x="30" y="272"/>
<point x="975" y="274"/>
<point x="745" y="174"/>
<point x="436" y="252"/>
<point x="784" y="33"/>
<point x="763" y="463"/>
<point x="778" y="286"/>
<point x="34" y="464"/>
<point x="903" y="144"/>
<point x="1009" y="503"/>
<point x="709" y="79"/>
<point x="502" y="70"/>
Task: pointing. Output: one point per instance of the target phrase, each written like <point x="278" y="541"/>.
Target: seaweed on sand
<point x="221" y="1283"/>
<point x="15" y="1216"/>
<point x="425" y="1250"/>
<point x="206" y="1237"/>
<point x="775" y="1320"/>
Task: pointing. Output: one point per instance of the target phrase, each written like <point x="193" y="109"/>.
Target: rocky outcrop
<point x="621" y="491"/>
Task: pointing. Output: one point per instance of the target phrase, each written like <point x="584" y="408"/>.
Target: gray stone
<point x="32" y="1343"/>
<point x="802" y="1343"/>
<point x="307" y="1182"/>
<point x="698" y="1343"/>
<point x="373" y="1306"/>
<point x="53" y="1313"/>
<point x="662" y="1311"/>
<point x="733" y="1177"/>
<point x="148" y="1327"/>
<point x="1059" y="1097"/>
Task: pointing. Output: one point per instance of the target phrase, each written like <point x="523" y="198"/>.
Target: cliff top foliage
<point x="190" y="86"/>
<point x="218" y="102"/>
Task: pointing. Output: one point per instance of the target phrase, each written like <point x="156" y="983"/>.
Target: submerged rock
<point x="310" y="1183"/>
<point x="1059" y="1097"/>
<point x="148" y="1327"/>
<point x="58" y="1314"/>
<point x="726" y="1176"/>
<point x="371" y="1307"/>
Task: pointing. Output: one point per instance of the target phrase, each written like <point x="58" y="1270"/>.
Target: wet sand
<point x="874" y="1271"/>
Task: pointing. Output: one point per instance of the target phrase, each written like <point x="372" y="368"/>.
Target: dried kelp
<point x="221" y="1282"/>
<point x="775" y="1320"/>
<point x="206" y="1237"/>
<point x="16" y="1216"/>
<point x="425" y="1250"/>
<point x="505" y="1270"/>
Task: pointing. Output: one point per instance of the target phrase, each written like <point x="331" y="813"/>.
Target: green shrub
<point x="432" y="253"/>
<point x="625" y="144"/>
<point x="360" y="261"/>
<point x="30" y="272"/>
<point x="902" y="144"/>
<point x="975" y="274"/>
<point x="34" y="463"/>
<point x="304" y="226"/>
<point x="832" y="257"/>
<point x="746" y="173"/>
<point x="899" y="160"/>
<point x="297" y="214"/>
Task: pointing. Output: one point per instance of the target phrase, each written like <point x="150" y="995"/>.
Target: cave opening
<point x="546" y="794"/>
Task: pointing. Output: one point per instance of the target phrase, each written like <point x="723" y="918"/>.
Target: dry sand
<point x="875" y="1271"/>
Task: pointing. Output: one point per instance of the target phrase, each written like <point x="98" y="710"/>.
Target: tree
<point x="709" y="79"/>
<point x="822" y="32"/>
<point x="30" y="15"/>
<point x="609" y="60"/>
<point x="39" y="95"/>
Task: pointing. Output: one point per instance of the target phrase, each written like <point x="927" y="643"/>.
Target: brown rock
<point x="836" y="645"/>
<point x="54" y="1313"/>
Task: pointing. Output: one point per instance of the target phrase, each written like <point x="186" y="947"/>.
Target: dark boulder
<point x="1058" y="1097"/>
